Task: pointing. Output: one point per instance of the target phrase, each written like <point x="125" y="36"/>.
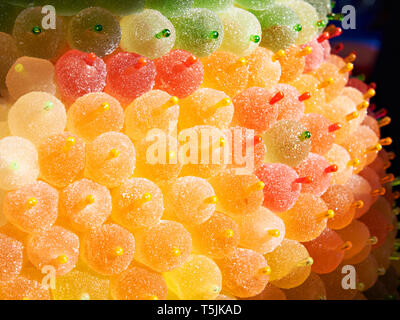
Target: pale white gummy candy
<point x="139" y="34"/>
<point x="36" y="116"/>
<point x="37" y="75"/>
<point x="239" y="26"/>
<point x="18" y="163"/>
<point x="308" y="19"/>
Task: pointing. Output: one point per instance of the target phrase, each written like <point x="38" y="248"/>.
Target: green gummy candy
<point x="199" y="31"/>
<point x="254" y="4"/>
<point x="170" y="8"/>
<point x="279" y="24"/>
<point x="215" y="5"/>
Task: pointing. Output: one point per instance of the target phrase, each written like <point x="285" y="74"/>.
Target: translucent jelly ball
<point x="94" y="30"/>
<point x="290" y="107"/>
<point x="358" y="234"/>
<point x="170" y="8"/>
<point x="61" y="159"/>
<point x="378" y="224"/>
<point x="148" y="33"/>
<point x="253" y="4"/>
<point x="30" y="74"/>
<point x="245" y="273"/>
<point x="11" y="258"/>
<point x="362" y="139"/>
<point x="263" y="231"/>
<point x="36" y="116"/>
<point x="217" y="237"/>
<point x="340" y="199"/>
<point x="307" y="219"/>
<point x="340" y="78"/>
<point x="244" y="195"/>
<point x="199" y="31"/>
<point x="179" y="73"/>
<point x="129" y="76"/>
<point x="57" y="247"/>
<point x="242" y="31"/>
<point x="287" y="142"/>
<point x="110" y="158"/>
<point x="292" y="63"/>
<point x="263" y="71"/>
<point x="81" y="285"/>
<point x="203" y="151"/>
<point x="157" y="157"/>
<point x="281" y="186"/>
<point x="199" y="278"/>
<point x="308" y="83"/>
<point x="219" y="5"/>
<point x="279" y="25"/>
<point x="18" y="163"/>
<point x="206" y="107"/>
<point x="138" y="283"/>
<point x="339" y="156"/>
<point x="286" y="258"/>
<point x="296" y="277"/>
<point x="318" y="170"/>
<point x="22" y="288"/>
<point x="316" y="58"/>
<point x="189" y="200"/>
<point x="308" y="17"/>
<point x="253" y="109"/>
<point x="85" y="205"/>
<point x="164" y="246"/>
<point x="109" y="249"/>
<point x="154" y="111"/>
<point x="36" y="40"/>
<point x="93" y="114"/>
<point x="79" y="73"/>
<point x="322" y="134"/>
<point x="361" y="191"/>
<point x="137" y="203"/>
<point x="226" y="72"/>
<point x="247" y="151"/>
<point x="367" y="272"/>
<point x="312" y="289"/>
<point x="32" y="208"/>
<point x="327" y="251"/>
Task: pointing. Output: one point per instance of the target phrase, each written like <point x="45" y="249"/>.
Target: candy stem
<point x="384" y="122"/>
<point x="388" y="178"/>
<point x="305" y="51"/>
<point x="378" y="192"/>
<point x="278" y="55"/>
<point x="19" y="68"/>
<point x="347" y="68"/>
<point x="255" y="38"/>
<point x="274" y="233"/>
<point x="304" y="180"/>
<point x="62" y="259"/>
<point x="331" y="169"/>
<point x="351" y="57"/>
<point x="305" y="96"/>
<point x="276" y="98"/>
<point x="335" y="127"/>
<point x="363" y="106"/>
<point x="211" y="200"/>
<point x="372" y="241"/>
<point x="228" y="233"/>
<point x="258" y="186"/>
<point x="375" y="148"/>
<point x="114" y="153"/>
<point x="89" y="199"/>
<point x="370" y="94"/>
<point x="325" y="83"/>
<point x="305" y="136"/>
<point x="305" y="262"/>
<point x="31" y="203"/>
<point x="266" y="271"/>
<point x="69" y="144"/>
<point x="352" y="116"/>
<point x="386" y="141"/>
<point x="118" y="251"/>
<point x="176" y="252"/>
<point x="173" y="101"/>
<point x="163" y="34"/>
<point x="354" y="163"/>
<point x="358" y="204"/>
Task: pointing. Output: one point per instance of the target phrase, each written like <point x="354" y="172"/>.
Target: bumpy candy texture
<point x="37" y="39"/>
<point x="199" y="31"/>
<point x="148" y="33"/>
<point x="94" y="30"/>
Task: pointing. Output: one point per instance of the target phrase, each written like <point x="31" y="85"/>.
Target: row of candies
<point x="86" y="202"/>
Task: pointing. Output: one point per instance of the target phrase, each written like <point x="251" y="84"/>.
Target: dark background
<point x="376" y="41"/>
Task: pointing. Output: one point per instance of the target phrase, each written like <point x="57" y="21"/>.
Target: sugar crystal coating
<point x="148" y="33"/>
<point x="109" y="249"/>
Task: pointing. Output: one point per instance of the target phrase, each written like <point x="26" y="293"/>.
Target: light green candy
<point x="148" y="33"/>
<point x="214" y="5"/>
<point x="279" y="24"/>
<point x="170" y="8"/>
<point x="323" y="7"/>
<point x="308" y="19"/>
<point x="242" y="31"/>
<point x="254" y="4"/>
<point x="199" y="31"/>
